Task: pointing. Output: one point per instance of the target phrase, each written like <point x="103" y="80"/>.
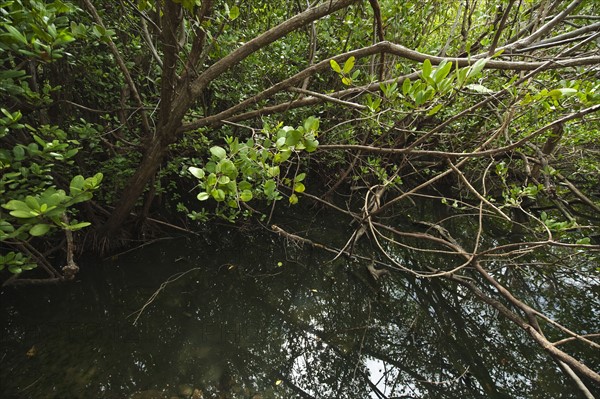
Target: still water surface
<point x="253" y="315"/>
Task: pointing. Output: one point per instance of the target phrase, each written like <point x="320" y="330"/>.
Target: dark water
<point x="253" y="315"/>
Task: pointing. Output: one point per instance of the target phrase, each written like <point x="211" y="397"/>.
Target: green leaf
<point x="311" y="144"/>
<point x="293" y="199"/>
<point x="564" y="92"/>
<point x="234" y="12"/>
<point x="584" y="241"/>
<point x="77" y="226"/>
<point x="22" y="214"/>
<point x="406" y="86"/>
<point x="246" y="195"/>
<point x="16" y="205"/>
<point x="218" y="195"/>
<point x="273" y="171"/>
<point x="299" y="187"/>
<point x="32" y="203"/>
<point x="476" y="67"/>
<point x="196" y="172"/>
<point x="15" y="34"/>
<point x="479" y="88"/>
<point x="39" y="229"/>
<point x="14" y="269"/>
<point x="348" y="65"/>
<point x="293" y="137"/>
<point x="218" y="152"/>
<point x="335" y="66"/>
<point x="442" y="71"/>
<point x="347" y="81"/>
<point x="435" y="110"/>
<point x="76" y="185"/>
<point x="227" y="168"/>
<point x="203" y="196"/>
<point x="311" y="124"/>
<point x="426" y="68"/>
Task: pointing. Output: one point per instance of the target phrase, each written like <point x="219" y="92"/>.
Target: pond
<point x="250" y="314"/>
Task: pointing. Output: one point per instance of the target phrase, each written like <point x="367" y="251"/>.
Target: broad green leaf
<point x="227" y="168"/>
<point x="246" y="195"/>
<point x="32" y="202"/>
<point x="218" y="195"/>
<point x="234" y="12"/>
<point x="564" y="92"/>
<point x="16" y="205"/>
<point x="442" y="71"/>
<point x="197" y="172"/>
<point x="311" y="124"/>
<point x="273" y="171"/>
<point x="218" y="152"/>
<point x="335" y="66"/>
<point x="347" y="81"/>
<point x="479" y="88"/>
<point x="22" y="214"/>
<point x="348" y="65"/>
<point x="406" y="86"/>
<point x="477" y="67"/>
<point x="426" y="68"/>
<point x="15" y="34"/>
<point x="39" y="229"/>
<point x="435" y="110"/>
<point x="244" y="185"/>
<point x="203" y="196"/>
<point x="293" y="199"/>
<point x="76" y="185"/>
<point x="299" y="187"/>
<point x="77" y="226"/>
<point x="311" y="145"/>
<point x="14" y="269"/>
<point x="293" y="138"/>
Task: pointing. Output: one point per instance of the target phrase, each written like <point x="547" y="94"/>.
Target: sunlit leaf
<point x="335" y="66"/>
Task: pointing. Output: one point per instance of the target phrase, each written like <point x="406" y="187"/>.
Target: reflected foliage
<point x="280" y="320"/>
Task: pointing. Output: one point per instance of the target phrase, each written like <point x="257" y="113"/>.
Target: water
<point x="254" y="315"/>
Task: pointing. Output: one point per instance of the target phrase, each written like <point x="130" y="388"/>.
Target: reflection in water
<point x="256" y="316"/>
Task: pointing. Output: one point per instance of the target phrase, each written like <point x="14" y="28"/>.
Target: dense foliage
<point x="489" y="108"/>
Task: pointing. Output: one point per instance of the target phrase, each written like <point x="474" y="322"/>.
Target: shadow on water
<point x="258" y="316"/>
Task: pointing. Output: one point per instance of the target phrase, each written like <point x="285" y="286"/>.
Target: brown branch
<point x="122" y="67"/>
<point x="395" y="49"/>
<point x="500" y="28"/>
<point x="542" y="30"/>
<point x="475" y="153"/>
<point x="263" y="40"/>
<point x="381" y="36"/>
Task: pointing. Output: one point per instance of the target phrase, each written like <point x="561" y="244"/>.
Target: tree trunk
<point x="137" y="183"/>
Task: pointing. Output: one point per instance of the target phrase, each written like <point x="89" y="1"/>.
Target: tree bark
<point x="177" y="98"/>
